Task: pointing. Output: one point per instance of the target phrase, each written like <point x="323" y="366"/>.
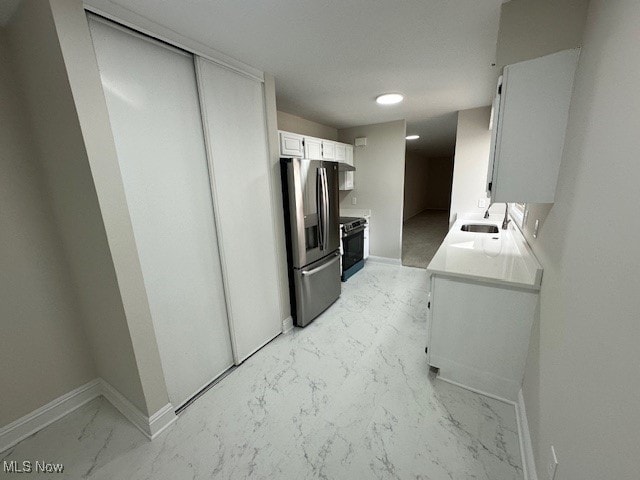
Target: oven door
<point x="353" y="245"/>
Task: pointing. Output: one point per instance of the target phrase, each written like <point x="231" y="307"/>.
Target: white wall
<point x="416" y="177"/>
<point x="471" y="162"/>
<point x="581" y="385"/>
<point x="295" y="124"/>
<point x="534" y="28"/>
<point x="272" y="118"/>
<point x="43" y="348"/>
<point x="379" y="182"/>
<point x="58" y="71"/>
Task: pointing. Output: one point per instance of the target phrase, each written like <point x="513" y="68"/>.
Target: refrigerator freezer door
<point x="317" y="286"/>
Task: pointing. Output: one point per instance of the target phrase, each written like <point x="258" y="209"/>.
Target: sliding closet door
<point x="235" y="129"/>
<point x="153" y="105"/>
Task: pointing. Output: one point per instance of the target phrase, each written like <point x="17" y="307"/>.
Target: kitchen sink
<point x="480" y="228"/>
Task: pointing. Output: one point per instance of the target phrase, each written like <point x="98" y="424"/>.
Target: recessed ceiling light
<point x="413" y="137"/>
<point x="389" y="98"/>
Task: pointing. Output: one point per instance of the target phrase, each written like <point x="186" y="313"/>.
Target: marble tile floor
<point x="348" y="397"/>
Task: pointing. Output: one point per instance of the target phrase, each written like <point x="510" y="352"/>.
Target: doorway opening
<point x="427" y="201"/>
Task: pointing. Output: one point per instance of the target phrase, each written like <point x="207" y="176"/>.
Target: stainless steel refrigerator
<point x="311" y="205"/>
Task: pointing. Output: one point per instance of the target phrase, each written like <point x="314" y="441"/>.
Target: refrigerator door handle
<point x="320" y="207"/>
<point x="325" y="216"/>
<point x="321" y="267"/>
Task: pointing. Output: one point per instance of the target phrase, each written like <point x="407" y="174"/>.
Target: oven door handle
<point x="356" y="230"/>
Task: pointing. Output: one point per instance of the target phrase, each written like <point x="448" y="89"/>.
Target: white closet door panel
<point x="153" y="105"/>
<point x="233" y="109"/>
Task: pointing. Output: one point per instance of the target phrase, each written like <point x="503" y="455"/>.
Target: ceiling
<point x="331" y="58"/>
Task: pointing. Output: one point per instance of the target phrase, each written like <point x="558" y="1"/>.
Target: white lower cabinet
<point x="366" y="239"/>
<point x="479" y="334"/>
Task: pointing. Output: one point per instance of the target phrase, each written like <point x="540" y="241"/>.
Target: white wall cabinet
<point x="328" y="150"/>
<point x="530" y="119"/>
<point x="291" y="145"/>
<point x="313" y="148"/>
<point x="348" y="154"/>
<point x="347" y="181"/>
<point x="296" y="145"/>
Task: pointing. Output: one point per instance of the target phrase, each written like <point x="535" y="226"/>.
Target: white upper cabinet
<point x="313" y="148"/>
<point x="341" y="152"/>
<point x="348" y="155"/>
<point x="328" y="150"/>
<point x="291" y="145"/>
<point x="530" y="120"/>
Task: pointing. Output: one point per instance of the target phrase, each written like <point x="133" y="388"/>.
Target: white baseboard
<point x="524" y="435"/>
<point x="44" y="416"/>
<point x="387" y="260"/>
<point x="150" y="426"/>
<point x="479" y="392"/>
<point x="287" y="324"/>
<point x="47" y="414"/>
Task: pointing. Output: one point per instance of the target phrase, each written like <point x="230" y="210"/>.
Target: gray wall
<point x="581" y="385"/>
<point x="471" y="162"/>
<point x="43" y="348"/>
<point x="295" y="124"/>
<point x="57" y="69"/>
<point x="379" y="182"/>
<point x="534" y="28"/>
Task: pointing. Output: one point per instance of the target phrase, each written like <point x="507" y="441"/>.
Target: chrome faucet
<point x="505" y="222"/>
<point x="486" y="214"/>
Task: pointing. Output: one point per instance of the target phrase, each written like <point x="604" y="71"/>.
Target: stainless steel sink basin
<point x="480" y="228"/>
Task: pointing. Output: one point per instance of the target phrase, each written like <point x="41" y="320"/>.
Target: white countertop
<point x="503" y="257"/>
<point x="355" y="212"/>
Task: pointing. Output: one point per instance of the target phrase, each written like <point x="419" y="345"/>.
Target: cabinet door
<point x="341" y="152"/>
<point x="533" y="114"/>
<point x="235" y="130"/>
<point x="291" y="145"/>
<point x="366" y="240"/>
<point x="349" y="154"/>
<point x="349" y="180"/>
<point x="312" y="148"/>
<point x="494" y="122"/>
<point x="328" y="150"/>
